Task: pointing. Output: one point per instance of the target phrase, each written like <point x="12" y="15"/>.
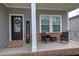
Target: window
<point x="56" y="24"/>
<point x="44" y="23"/>
<point x="50" y="23"/>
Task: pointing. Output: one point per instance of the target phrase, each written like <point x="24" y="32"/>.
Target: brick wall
<point x="57" y="34"/>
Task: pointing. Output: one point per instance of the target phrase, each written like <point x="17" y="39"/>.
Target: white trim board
<point x="50" y="16"/>
<point x="10" y="32"/>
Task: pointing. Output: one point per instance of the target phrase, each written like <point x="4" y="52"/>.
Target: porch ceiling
<point x="46" y="6"/>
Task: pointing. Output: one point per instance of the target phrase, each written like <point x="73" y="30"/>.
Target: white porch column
<point x="33" y="17"/>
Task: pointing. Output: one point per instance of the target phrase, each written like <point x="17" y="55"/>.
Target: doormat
<point x="15" y="44"/>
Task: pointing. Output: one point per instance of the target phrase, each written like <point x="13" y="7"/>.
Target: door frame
<point x="10" y="27"/>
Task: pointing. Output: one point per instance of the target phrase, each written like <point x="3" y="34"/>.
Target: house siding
<point x="27" y="15"/>
<point x="73" y="24"/>
<point x="4" y="26"/>
<point x="74" y="29"/>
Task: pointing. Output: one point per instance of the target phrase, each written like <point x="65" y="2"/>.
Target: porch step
<point x="15" y="44"/>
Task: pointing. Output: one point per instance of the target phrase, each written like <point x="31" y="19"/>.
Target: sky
<point x="73" y="13"/>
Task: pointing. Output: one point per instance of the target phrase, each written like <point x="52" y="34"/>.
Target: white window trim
<point x="50" y="30"/>
<point x="10" y="27"/>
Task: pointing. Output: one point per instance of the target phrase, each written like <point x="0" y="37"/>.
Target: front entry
<point x="16" y="27"/>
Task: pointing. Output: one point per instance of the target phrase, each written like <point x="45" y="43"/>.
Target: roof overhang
<point x="45" y="6"/>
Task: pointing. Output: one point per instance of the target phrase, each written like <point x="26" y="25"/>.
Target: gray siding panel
<point x="74" y="28"/>
<point x="4" y="26"/>
<point x="74" y="24"/>
<point x="27" y="15"/>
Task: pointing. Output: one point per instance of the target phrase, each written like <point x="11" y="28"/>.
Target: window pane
<point x="45" y="28"/>
<point x="44" y="20"/>
<point x="56" y="24"/>
<point x="17" y="24"/>
<point x="56" y="20"/>
<point x="56" y="28"/>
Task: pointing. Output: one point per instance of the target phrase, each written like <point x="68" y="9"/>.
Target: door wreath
<point x="17" y="21"/>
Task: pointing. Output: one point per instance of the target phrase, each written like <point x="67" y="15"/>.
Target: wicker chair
<point x="46" y="37"/>
<point x="43" y="37"/>
<point x="64" y="37"/>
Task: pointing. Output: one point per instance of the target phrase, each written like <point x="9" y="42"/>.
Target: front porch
<point x="49" y="18"/>
<point x="42" y="47"/>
